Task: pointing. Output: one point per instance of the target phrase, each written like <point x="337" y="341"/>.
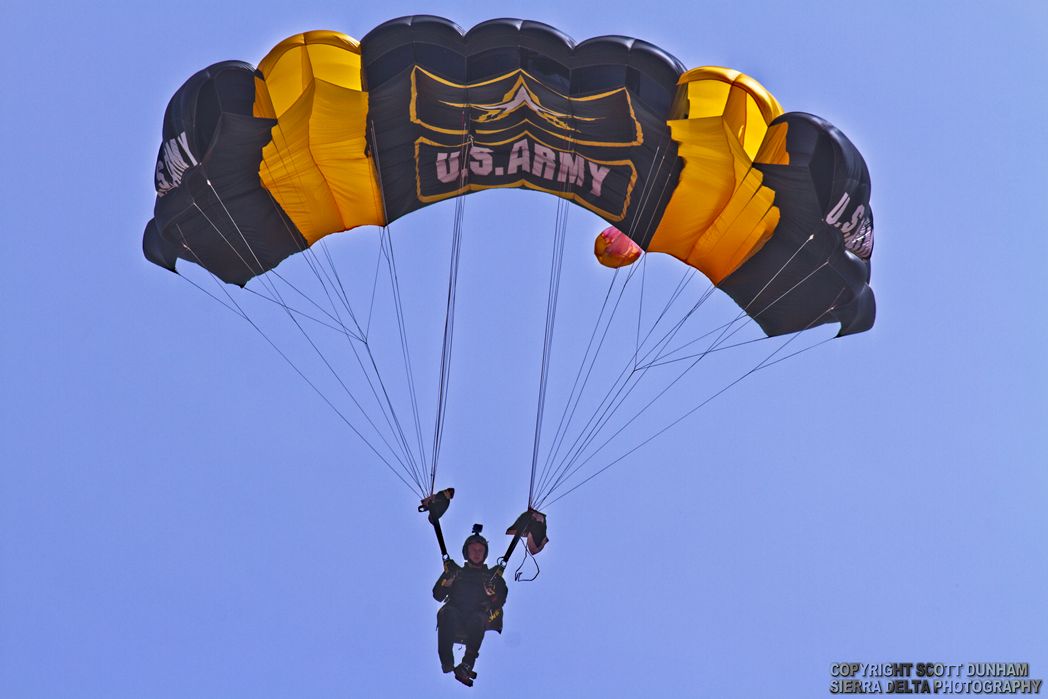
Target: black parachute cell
<point x="608" y="99"/>
<point x="211" y="208"/>
<point x="824" y="193"/>
<point x="158" y="249"/>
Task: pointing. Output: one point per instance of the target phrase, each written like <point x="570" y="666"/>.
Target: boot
<point x="469" y="659"/>
<point x="464" y="673"/>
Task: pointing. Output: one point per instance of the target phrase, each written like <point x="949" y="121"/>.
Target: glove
<point x="451" y="571"/>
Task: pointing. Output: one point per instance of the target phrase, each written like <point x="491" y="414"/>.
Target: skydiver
<point x="473" y="596"/>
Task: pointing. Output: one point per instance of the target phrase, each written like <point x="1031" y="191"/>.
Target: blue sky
<point x="181" y="516"/>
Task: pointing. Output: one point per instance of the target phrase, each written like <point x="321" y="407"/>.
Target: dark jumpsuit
<point x="468" y="611"/>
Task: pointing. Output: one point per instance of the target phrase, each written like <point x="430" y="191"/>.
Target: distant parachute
<point x="615" y="249"/>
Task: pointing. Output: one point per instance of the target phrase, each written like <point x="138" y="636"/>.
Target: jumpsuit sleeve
<point x="501" y="592"/>
<point x="442" y="588"/>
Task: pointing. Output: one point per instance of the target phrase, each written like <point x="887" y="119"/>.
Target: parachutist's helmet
<point x="474" y="538"/>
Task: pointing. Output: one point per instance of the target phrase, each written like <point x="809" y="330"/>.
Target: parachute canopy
<point x="331" y="133"/>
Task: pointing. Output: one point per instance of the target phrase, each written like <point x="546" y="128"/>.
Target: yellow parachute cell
<point x="720" y="213"/>
<point x="317" y="167"/>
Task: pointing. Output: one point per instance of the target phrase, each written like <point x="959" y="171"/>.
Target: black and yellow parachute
<point x="329" y="133"/>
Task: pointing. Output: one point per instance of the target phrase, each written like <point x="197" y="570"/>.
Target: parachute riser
<point x="503" y="561"/>
<point x="440" y="540"/>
